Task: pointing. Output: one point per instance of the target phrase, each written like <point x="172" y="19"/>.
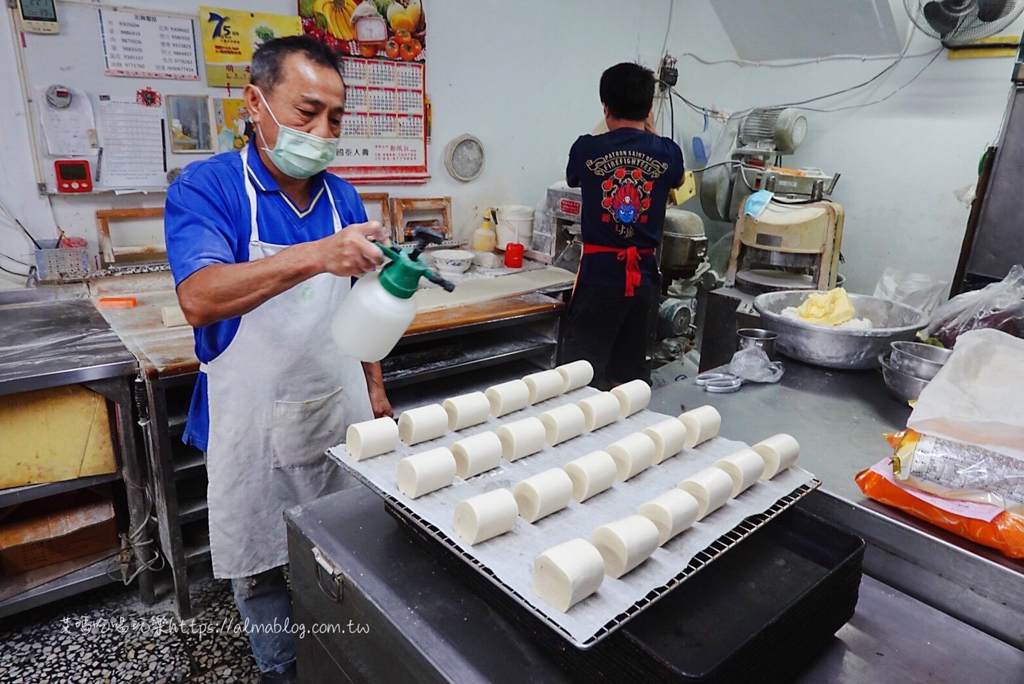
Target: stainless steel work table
<point x="839" y="418"/>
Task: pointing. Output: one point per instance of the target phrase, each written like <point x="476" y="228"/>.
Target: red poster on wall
<point x="383" y="47"/>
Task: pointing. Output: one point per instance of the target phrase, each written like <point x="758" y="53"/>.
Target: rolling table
<point x="51" y="337"/>
<point x="839" y="418"/>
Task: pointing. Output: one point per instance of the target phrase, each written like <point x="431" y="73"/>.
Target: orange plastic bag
<point x="1005" y="532"/>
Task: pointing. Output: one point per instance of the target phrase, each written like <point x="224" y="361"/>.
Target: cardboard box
<point x="54" y="530"/>
<point x="55" y="434"/>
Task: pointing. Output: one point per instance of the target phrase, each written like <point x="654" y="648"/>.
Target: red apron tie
<point x="631" y="255"/>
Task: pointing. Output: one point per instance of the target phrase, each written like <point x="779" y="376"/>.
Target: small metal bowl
<point x="904" y="387"/>
<point x="922" y="361"/>
<point x="757" y="337"/>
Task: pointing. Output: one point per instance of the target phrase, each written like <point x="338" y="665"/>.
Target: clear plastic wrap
<point x="753" y="365"/>
<point x="999" y="306"/>
<point x="913" y="289"/>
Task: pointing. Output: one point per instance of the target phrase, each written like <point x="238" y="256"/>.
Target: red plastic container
<point x="514" y="255"/>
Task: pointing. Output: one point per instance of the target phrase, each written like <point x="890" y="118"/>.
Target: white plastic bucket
<point x="515" y="224"/>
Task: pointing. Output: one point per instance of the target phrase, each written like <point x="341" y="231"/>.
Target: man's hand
<point x="375" y="386"/>
<point x="351" y="252"/>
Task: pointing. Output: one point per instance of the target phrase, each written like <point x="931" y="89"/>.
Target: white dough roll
<point x="521" y="438"/>
<point x="632" y="454"/>
<point x="423" y="424"/>
<point x="702" y="424"/>
<point x="744" y="467"/>
<point x="476" y="454"/>
<point x="599" y="410"/>
<point x="779" y="453"/>
<point x="563" y="423"/>
<point x="467" y="410"/>
<point x="575" y="375"/>
<point x="544" y="385"/>
<point x="633" y="396"/>
<point x="508" y="397"/>
<point x="485" y="516"/>
<point x="625" y="544"/>
<point x="371" y="438"/>
<point x="543" y="494"/>
<point x="591" y="474"/>
<point x="711" y="487"/>
<point x="669" y="437"/>
<point x="566" y="574"/>
<point x="672" y="512"/>
<point x="426" y="472"/>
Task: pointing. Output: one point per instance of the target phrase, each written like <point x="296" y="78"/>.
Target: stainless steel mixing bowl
<point x="904" y="387"/>
<point x="832" y="347"/>
<point x="920" y="360"/>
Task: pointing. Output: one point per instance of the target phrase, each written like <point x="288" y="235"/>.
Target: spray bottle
<point x="380" y="307"/>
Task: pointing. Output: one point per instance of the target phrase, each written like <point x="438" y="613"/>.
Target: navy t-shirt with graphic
<point x="625" y="176"/>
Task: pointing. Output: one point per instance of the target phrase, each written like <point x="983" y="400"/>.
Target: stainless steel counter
<point x="839" y="418"/>
<point x="52" y="337"/>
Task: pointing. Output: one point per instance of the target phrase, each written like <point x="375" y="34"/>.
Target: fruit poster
<point x="230" y="36"/>
<point x="383" y="47"/>
<point x="233" y="126"/>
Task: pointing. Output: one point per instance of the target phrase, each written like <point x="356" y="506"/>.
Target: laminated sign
<point x="230" y="37"/>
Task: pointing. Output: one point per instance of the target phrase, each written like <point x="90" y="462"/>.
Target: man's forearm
<point x="222" y="291"/>
<point x="374" y="375"/>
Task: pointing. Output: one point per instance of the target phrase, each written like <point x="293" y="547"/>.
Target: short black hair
<point x="268" y="58"/>
<point x="628" y="91"/>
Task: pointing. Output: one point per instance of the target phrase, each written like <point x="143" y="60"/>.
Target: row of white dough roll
<point x="570" y="572"/>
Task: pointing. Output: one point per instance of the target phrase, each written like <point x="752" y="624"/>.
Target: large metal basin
<point x="839" y="347"/>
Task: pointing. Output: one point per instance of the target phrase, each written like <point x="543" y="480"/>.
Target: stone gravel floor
<point x="108" y="635"/>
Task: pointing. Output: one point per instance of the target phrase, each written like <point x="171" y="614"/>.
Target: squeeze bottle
<point x="484" y="239"/>
<point x="380" y="307"/>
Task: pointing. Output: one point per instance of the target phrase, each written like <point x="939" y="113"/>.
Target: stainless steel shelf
<point x="473" y="360"/>
<point x="197" y="554"/>
<point x="185" y="466"/>
<point x="89" y="577"/>
<point x="193" y="509"/>
<point x="18" y="495"/>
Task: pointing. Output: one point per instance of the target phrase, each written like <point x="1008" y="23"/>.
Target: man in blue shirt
<point x="263" y="245"/>
<point x="625" y="176"/>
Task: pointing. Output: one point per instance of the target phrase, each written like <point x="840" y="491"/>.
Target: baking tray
<point x="507" y="561"/>
<point x="762" y="613"/>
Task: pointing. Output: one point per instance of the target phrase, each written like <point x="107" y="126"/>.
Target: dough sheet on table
<point x="510" y="556"/>
<point x="482" y="289"/>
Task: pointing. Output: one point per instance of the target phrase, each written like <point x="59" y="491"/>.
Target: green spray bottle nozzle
<point x="402" y="276"/>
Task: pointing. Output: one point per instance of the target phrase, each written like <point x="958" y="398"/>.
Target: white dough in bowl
<point x="371" y="438"/>
<point x="566" y="574"/>
<point x="467" y="410"/>
<point x="485" y="516"/>
<point x="625" y="544"/>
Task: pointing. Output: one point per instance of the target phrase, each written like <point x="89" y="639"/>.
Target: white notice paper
<point x="133" y="144"/>
<point x="67" y="131"/>
<point x="146" y="45"/>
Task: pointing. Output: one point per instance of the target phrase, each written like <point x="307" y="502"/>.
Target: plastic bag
<point x="753" y="365"/>
<point x="918" y="290"/>
<point x="999" y="306"/>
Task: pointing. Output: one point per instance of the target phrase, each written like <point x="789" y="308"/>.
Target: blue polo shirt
<point x="207" y="221"/>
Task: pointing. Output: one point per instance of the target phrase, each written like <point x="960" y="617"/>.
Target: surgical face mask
<point x="296" y="153"/>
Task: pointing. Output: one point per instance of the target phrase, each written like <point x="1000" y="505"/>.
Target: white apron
<point x="279" y="396"/>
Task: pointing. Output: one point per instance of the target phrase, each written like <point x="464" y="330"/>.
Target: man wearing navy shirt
<point x="263" y="245"/>
<point x="625" y="176"/>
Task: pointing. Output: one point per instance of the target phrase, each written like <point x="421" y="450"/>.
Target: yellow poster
<point x="230" y="36"/>
<point x="233" y="127"/>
